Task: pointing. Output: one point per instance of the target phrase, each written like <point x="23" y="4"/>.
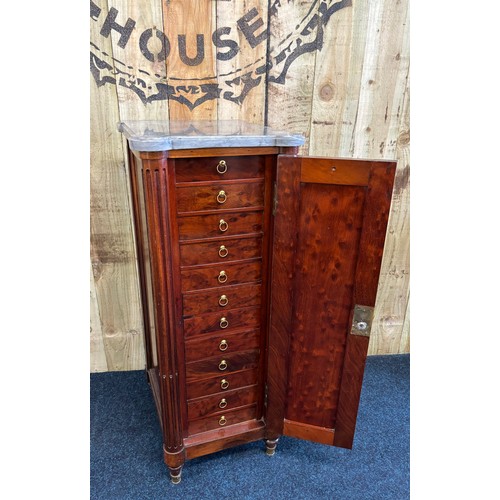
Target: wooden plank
<point x="289" y="99"/>
<point x="242" y="76"/>
<point x="404" y="346"/>
<point x="112" y="249"/>
<point x="332" y="75"/>
<point x="383" y="78"/>
<point x="140" y="64"/>
<point x="192" y="69"/>
<point x="98" y="361"/>
<point x="394" y="286"/>
<point x="308" y="432"/>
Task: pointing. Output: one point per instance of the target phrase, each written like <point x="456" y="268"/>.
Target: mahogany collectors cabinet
<point x="258" y="272"/>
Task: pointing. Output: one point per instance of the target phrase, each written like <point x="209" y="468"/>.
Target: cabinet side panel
<point x="329" y="234"/>
<point x="144" y="260"/>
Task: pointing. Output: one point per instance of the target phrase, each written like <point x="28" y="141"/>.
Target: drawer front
<point x="220" y="251"/>
<point x="220" y="421"/>
<point x="221" y="274"/>
<point x="220" y="345"/>
<point x="205" y="169"/>
<point x="225" y="321"/>
<point x="220" y="196"/>
<point x="215" y="226"/>
<point x="220" y="365"/>
<point x="221" y="384"/>
<point x="222" y="403"/>
<point x="233" y="297"/>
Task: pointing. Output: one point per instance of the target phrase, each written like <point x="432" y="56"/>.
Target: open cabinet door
<point x="329" y="232"/>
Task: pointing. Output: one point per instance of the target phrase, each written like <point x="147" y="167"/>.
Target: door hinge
<point x="265" y="395"/>
<point x="362" y="320"/>
<point x="275" y="198"/>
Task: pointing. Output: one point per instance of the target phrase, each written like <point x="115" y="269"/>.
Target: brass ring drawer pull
<point x="223" y="345"/>
<point x="223" y="251"/>
<point x="224" y="384"/>
<point x="223" y="300"/>
<point x="223" y="225"/>
<point x="222" y="420"/>
<point x="223" y="365"/>
<point x="222" y="278"/>
<point x="223" y="323"/>
<point x="221" y="197"/>
<point x="223" y="403"/>
<point x="222" y="167"/>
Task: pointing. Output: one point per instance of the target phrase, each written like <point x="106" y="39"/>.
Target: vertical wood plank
<point x="290" y="101"/>
<point x="98" y="361"/>
<point x="242" y="76"/>
<point x="385" y="69"/>
<point x="139" y="75"/>
<point x="112" y="249"/>
<point x="394" y="286"/>
<point x="404" y="346"/>
<point x="191" y="66"/>
<point x="335" y="69"/>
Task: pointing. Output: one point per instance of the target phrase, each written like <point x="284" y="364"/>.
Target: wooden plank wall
<point x="335" y="71"/>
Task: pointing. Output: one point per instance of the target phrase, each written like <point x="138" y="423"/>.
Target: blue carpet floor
<point x="127" y="459"/>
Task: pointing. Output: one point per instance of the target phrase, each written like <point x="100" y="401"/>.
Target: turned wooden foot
<point x="175" y="474"/>
<point x="271" y="446"/>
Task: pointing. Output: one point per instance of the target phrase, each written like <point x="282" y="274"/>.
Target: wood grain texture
<point x="245" y="72"/>
<point x="280" y="324"/>
<point x="189" y="24"/>
<point x="289" y="102"/>
<point x="371" y="245"/>
<point x="111" y="236"/>
<point x="351" y="98"/>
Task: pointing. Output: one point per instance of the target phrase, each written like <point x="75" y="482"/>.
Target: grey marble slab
<point x="168" y="135"/>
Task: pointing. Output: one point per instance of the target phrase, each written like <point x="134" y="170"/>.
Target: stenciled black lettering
<point x="219" y="43"/>
<point x="200" y="50"/>
<point x="95" y="10"/>
<point x="249" y="29"/>
<point x="165" y="45"/>
<point x="111" y="24"/>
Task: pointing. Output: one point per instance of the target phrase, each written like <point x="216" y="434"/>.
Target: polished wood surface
<point x="196" y="168"/>
<point x="250" y="323"/>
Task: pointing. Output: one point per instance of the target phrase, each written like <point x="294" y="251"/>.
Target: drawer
<point x="221" y="383"/>
<point x="228" y="418"/>
<point x="221" y="274"/>
<point x="220" y="196"/>
<point x="221" y="250"/>
<point x="205" y="169"/>
<point x="222" y="364"/>
<point x="222" y="403"/>
<point x="222" y="321"/>
<point x="220" y="345"/>
<point x="215" y="226"/>
<point x="220" y="299"/>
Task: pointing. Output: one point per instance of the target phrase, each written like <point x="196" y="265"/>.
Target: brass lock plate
<point x="362" y="320"/>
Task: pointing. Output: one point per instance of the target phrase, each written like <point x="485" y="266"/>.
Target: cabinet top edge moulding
<point x="148" y="135"/>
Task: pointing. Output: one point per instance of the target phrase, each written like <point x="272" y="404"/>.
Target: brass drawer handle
<point x="222" y="403"/>
<point x="223" y="300"/>
<point x="223" y="225"/>
<point x="223" y="323"/>
<point x="222" y="278"/>
<point x="223" y="251"/>
<point x="223" y="365"/>
<point x="221" y="197"/>
<point x="222" y="167"/>
<point x="224" y="384"/>
<point x="222" y="420"/>
<point x="223" y="345"/>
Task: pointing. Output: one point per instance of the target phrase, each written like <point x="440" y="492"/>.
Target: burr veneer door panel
<point x="330" y="223"/>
